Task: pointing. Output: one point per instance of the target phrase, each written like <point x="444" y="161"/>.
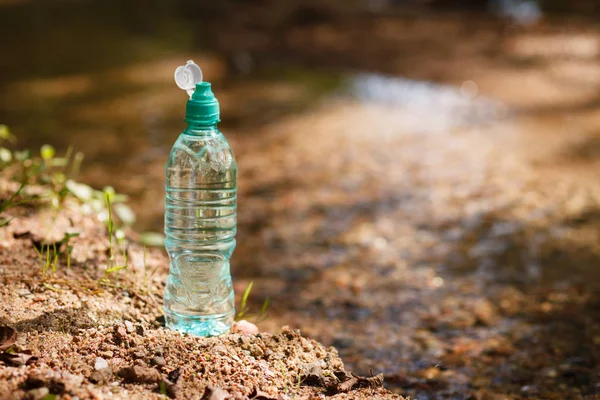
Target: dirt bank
<point x="80" y="332"/>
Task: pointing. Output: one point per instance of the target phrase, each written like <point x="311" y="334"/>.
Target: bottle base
<point x="206" y="326"/>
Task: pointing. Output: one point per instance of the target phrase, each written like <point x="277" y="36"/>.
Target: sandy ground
<point x="77" y="338"/>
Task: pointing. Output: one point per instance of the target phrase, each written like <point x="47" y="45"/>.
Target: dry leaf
<point x="347" y="385"/>
<point x="17" y="359"/>
<point x="372" y="382"/>
<point x="349" y="381"/>
<point x="258" y="394"/>
<point x="215" y="393"/>
<point x="8" y="336"/>
<point x="312" y="375"/>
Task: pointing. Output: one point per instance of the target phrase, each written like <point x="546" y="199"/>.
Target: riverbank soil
<point x="70" y="329"/>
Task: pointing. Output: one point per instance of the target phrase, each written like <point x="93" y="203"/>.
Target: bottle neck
<point x="201" y="130"/>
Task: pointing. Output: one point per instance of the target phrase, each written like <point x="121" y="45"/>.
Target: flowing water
<point x="419" y="191"/>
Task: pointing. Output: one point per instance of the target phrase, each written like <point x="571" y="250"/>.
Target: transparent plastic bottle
<point x="200" y="222"/>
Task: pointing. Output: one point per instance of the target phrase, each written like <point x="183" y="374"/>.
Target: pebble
<point x="129" y="326"/>
<point x="120" y="334"/>
<point x="244" y="327"/>
<point x="138" y="374"/>
<point x="158" y="361"/>
<point x="39" y="393"/>
<point x="100" y="364"/>
<point x="98" y="377"/>
<point x="107" y="354"/>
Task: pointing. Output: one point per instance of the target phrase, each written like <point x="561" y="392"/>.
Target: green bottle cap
<point x="203" y="107"/>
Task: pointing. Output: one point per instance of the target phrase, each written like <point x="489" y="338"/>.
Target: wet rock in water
<point x="458" y="319"/>
<point x="428" y="373"/>
<point x="244" y="327"/>
<point x="138" y="374"/>
<point x="484" y="311"/>
<point x="215" y="393"/>
<point x="486" y="395"/>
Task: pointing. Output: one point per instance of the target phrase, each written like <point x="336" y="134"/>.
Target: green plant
<point x="49" y="259"/>
<point x="244" y="305"/>
<point x="110" y="225"/>
<point x="112" y="269"/>
<point x="68" y="248"/>
<point x="5" y="205"/>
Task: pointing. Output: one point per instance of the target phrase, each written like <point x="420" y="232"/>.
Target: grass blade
<point x="246" y="295"/>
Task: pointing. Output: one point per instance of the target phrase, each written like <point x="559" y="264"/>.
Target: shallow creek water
<point x="421" y="193"/>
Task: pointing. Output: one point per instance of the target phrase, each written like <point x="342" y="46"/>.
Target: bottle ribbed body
<point x="200" y="228"/>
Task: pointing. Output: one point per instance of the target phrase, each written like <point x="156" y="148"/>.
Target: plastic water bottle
<point x="200" y="216"/>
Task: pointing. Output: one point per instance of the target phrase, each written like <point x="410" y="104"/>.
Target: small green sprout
<point x="244" y="305"/>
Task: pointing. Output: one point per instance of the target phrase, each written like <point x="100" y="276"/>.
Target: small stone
<point x="100" y="364"/>
<point x="39" y="393"/>
<point x="140" y="362"/>
<point x="138" y="354"/>
<point x="98" y="377"/>
<point x="171" y="389"/>
<point x="34" y="381"/>
<point x="140" y="330"/>
<point x="158" y="361"/>
<point x="120" y="334"/>
<point x="428" y="373"/>
<point x="138" y="374"/>
<point x="256" y="351"/>
<point x="107" y="354"/>
<point x="171" y="385"/>
<point x="129" y="326"/>
<point x="484" y="311"/>
<point x="244" y="327"/>
<point x="102" y="373"/>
